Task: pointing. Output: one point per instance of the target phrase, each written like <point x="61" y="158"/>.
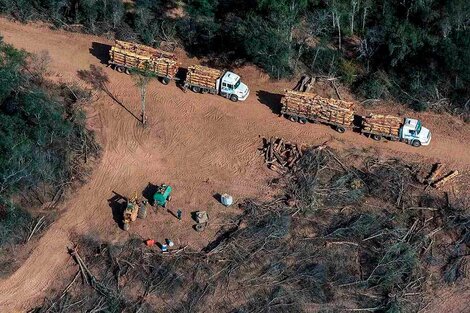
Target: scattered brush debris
<point x="340" y="237"/>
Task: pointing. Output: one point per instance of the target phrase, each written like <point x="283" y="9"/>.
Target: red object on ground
<point x="150" y="242"/>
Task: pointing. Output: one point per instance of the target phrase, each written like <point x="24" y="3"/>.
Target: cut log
<point x="281" y="153"/>
<point x="446" y="179"/>
<point x="279" y="158"/>
<point x="435" y="172"/>
<point x="270" y="149"/>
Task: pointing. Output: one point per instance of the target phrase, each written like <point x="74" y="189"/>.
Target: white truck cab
<point x="414" y="133"/>
<point x="232" y="87"/>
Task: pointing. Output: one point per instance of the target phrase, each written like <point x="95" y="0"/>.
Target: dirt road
<point x="201" y="144"/>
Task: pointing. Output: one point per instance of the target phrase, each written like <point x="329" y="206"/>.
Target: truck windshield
<point x="418" y="128"/>
<point x="236" y="84"/>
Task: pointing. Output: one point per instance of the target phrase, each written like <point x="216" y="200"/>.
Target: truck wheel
<point x="302" y="120"/>
<point x="142" y="213"/>
<point x="169" y="198"/>
<point x="127" y="71"/>
<point x="234" y="98"/>
<point x="126" y="226"/>
<point x="293" y="118"/>
<point x="200" y="227"/>
<point x="120" y="69"/>
<point x="165" y="80"/>
<point x="340" y="129"/>
<point x="196" y="89"/>
<point x="416" y="143"/>
<point x="376" y="137"/>
<point x="204" y="90"/>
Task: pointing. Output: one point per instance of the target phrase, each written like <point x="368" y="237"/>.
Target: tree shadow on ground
<point x="271" y="100"/>
<point x="100" y="51"/>
<point x="99" y="80"/>
<point x="117" y="203"/>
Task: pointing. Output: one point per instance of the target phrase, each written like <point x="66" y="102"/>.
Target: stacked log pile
<point x="203" y="76"/>
<point x="313" y="106"/>
<point x="386" y="124"/>
<point x="144" y="50"/>
<point x="144" y="59"/>
<point x="281" y="155"/>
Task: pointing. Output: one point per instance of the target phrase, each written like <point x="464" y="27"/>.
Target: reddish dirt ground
<point x="200" y="144"/>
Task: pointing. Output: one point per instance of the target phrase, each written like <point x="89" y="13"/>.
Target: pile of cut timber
<point x="311" y="105"/>
<point x="159" y="65"/>
<point x="445" y="179"/>
<point x="144" y="50"/>
<point x="386" y="124"/>
<point x="203" y="76"/>
<point x="280" y="154"/>
<point x="436" y="179"/>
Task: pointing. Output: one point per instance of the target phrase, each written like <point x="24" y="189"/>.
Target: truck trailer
<point x="126" y="56"/>
<point x="202" y="79"/>
<point x="407" y="130"/>
<point x="306" y="107"/>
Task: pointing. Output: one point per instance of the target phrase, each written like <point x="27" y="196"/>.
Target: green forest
<point x="42" y="141"/>
<point x="412" y="51"/>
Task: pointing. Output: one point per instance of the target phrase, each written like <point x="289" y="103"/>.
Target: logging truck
<point x="126" y="57"/>
<point x="201" y="79"/>
<point x="303" y="107"/>
<point x="393" y="128"/>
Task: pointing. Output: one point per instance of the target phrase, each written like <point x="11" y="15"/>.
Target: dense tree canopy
<point x="42" y="134"/>
<point x="414" y="50"/>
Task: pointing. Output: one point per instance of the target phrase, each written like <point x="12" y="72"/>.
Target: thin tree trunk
<point x="364" y="19"/>
<point x="299" y="52"/>
<point x="354" y="5"/>
<point x="339" y="32"/>
<point x="315" y="58"/>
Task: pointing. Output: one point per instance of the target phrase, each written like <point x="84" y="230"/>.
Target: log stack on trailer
<point x="126" y="56"/>
<point x="302" y="107"/>
<point x="203" y="77"/>
<point x="387" y="125"/>
<point x="144" y="50"/>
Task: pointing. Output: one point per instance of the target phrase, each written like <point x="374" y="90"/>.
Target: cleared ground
<point x="200" y="144"/>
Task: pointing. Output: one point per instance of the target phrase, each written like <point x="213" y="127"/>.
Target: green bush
<point x="322" y="60"/>
<point x="14" y="223"/>
<point x="423" y="46"/>
<point x="348" y="71"/>
<point x="42" y="136"/>
<point x="373" y="86"/>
